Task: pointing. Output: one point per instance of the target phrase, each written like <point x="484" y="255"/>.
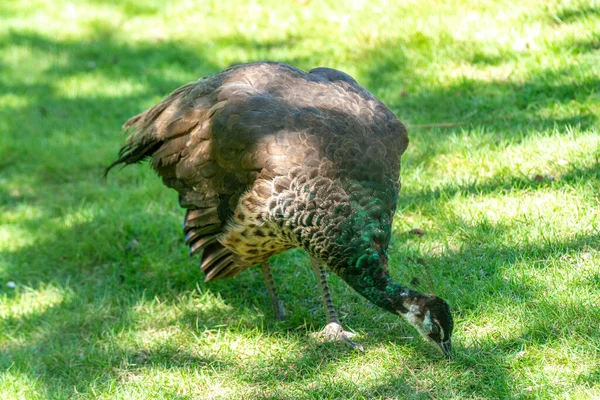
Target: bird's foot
<point x="279" y="310"/>
<point x="334" y="331"/>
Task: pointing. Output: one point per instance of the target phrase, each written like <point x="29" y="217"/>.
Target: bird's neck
<point x="358" y="254"/>
<point x="374" y="283"/>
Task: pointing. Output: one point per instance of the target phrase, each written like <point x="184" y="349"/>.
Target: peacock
<point x="266" y="158"/>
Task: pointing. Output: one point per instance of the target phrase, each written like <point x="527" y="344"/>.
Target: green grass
<point x="108" y="305"/>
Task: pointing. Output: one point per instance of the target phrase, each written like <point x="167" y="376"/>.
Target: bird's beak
<point x="446" y="348"/>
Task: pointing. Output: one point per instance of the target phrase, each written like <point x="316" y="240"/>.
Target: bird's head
<point x="431" y="317"/>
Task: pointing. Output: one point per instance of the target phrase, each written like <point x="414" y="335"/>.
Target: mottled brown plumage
<point x="266" y="157"/>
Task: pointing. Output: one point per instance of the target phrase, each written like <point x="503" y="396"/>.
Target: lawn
<point x="99" y="299"/>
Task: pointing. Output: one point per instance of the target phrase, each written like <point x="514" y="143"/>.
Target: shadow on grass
<point x="112" y="279"/>
<point x="504" y="107"/>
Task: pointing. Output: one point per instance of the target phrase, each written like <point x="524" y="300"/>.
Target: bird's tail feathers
<point x="151" y="128"/>
<point x="134" y="152"/>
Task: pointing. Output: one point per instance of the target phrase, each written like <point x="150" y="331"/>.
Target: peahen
<point x="266" y="158"/>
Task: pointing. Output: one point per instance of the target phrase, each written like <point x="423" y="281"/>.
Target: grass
<point x="506" y="186"/>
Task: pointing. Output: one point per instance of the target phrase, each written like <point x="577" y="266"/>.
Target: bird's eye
<point x="435" y="329"/>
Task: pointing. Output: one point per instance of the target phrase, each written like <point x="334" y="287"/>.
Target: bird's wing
<point x="200" y="155"/>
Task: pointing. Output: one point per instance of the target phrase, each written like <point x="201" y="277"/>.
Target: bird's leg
<point x="267" y="273"/>
<point x="333" y="330"/>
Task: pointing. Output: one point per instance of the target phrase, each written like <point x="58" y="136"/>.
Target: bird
<point x="266" y="158"/>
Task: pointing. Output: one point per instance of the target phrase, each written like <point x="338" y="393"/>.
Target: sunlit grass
<point x="32" y="301"/>
<point x="98" y="298"/>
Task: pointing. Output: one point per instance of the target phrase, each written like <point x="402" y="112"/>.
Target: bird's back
<point x="266" y="157"/>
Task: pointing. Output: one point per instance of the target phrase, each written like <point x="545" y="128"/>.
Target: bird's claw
<point x="334" y="331"/>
